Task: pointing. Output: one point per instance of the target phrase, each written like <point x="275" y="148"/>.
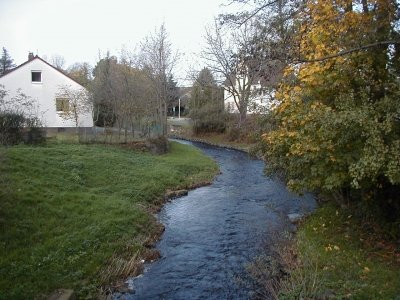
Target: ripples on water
<point x="214" y="231"/>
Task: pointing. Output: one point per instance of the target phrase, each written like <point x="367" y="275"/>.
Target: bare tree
<point x="237" y="60"/>
<point x="252" y="47"/>
<point x="20" y="103"/>
<point x="281" y="18"/>
<point x="132" y="91"/>
<point x="158" y="60"/>
<point x="72" y="103"/>
<point x="123" y="95"/>
<point x="132" y="101"/>
<point x="58" y="61"/>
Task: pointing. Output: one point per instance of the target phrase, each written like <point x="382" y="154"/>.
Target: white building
<point x="261" y="87"/>
<point x="41" y="81"/>
<point x="260" y="100"/>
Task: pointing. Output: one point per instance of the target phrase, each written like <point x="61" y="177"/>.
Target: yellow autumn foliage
<point x="337" y="112"/>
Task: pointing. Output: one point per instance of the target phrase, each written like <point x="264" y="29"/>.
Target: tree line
<point x="132" y="92"/>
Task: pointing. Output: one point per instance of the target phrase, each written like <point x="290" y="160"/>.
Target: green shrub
<point x="158" y="145"/>
<point x="34" y="131"/>
<point x="16" y="128"/>
<point x="200" y="127"/>
<point x="11" y="125"/>
<point x="233" y="134"/>
<point x="35" y="136"/>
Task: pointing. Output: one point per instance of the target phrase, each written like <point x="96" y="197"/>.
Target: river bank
<point x="209" y="140"/>
<point x="336" y="253"/>
<point x="213" y="233"/>
<point x="81" y="216"/>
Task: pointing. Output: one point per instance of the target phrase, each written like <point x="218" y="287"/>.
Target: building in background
<point x="41" y="81"/>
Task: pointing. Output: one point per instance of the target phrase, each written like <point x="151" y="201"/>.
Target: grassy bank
<point x="78" y="216"/>
<point x="183" y="128"/>
<point x="223" y="140"/>
<point x="341" y="256"/>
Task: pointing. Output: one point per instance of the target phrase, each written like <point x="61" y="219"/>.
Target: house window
<point x="62" y="104"/>
<point x="36" y="76"/>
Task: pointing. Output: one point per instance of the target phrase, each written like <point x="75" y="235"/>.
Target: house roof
<point x="39" y="58"/>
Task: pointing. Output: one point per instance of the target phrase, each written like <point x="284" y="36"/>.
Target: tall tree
<point x="81" y="72"/>
<point x="172" y="96"/>
<point x="58" y="61"/>
<point x="239" y="56"/>
<point x="158" y="60"/>
<point x="103" y="91"/>
<point x="6" y="62"/>
<point x="123" y="96"/>
<point x="133" y="100"/>
<point x="207" y="104"/>
<point x="338" y="118"/>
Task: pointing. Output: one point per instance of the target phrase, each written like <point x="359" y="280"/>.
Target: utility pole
<point x="179" y="107"/>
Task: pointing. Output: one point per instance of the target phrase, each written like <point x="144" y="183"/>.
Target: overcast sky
<point x="78" y="29"/>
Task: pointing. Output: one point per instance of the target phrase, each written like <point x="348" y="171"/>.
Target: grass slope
<point x="344" y="257"/>
<point x="67" y="210"/>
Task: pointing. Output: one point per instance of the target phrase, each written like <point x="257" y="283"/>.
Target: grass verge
<point x="79" y="216"/>
<point x="217" y="139"/>
<point x="334" y="255"/>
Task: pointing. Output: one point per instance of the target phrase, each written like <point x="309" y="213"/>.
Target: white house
<point x="260" y="100"/>
<point x="41" y="81"/>
<point x="261" y="87"/>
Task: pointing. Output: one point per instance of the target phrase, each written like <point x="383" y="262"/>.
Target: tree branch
<point x="346" y="52"/>
<point x="256" y="11"/>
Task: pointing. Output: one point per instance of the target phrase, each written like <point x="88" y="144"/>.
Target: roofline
<point x="37" y="57"/>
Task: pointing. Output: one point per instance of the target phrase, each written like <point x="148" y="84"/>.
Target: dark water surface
<point x="214" y="231"/>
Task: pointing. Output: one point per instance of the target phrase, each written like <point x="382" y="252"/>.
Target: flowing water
<point x="211" y="233"/>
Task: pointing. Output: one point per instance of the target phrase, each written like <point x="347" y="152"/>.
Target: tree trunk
<point x="365" y="5"/>
<point x="242" y="116"/>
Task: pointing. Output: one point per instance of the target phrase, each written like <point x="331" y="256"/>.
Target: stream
<point x="212" y="233"/>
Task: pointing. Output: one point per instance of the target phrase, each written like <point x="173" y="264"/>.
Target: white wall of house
<point x="43" y="92"/>
<point x="260" y="101"/>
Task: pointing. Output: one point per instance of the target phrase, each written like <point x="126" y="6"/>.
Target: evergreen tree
<point x="103" y="91"/>
<point x="206" y="104"/>
<point x="172" y="93"/>
<point x="6" y="62"/>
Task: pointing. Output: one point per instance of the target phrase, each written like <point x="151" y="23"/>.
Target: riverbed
<point x="214" y="231"/>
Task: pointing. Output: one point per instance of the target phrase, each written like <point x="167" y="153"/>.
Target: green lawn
<point x="71" y="214"/>
<point x="343" y="257"/>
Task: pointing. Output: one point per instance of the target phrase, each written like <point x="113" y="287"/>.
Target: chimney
<point x="30" y="56"/>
